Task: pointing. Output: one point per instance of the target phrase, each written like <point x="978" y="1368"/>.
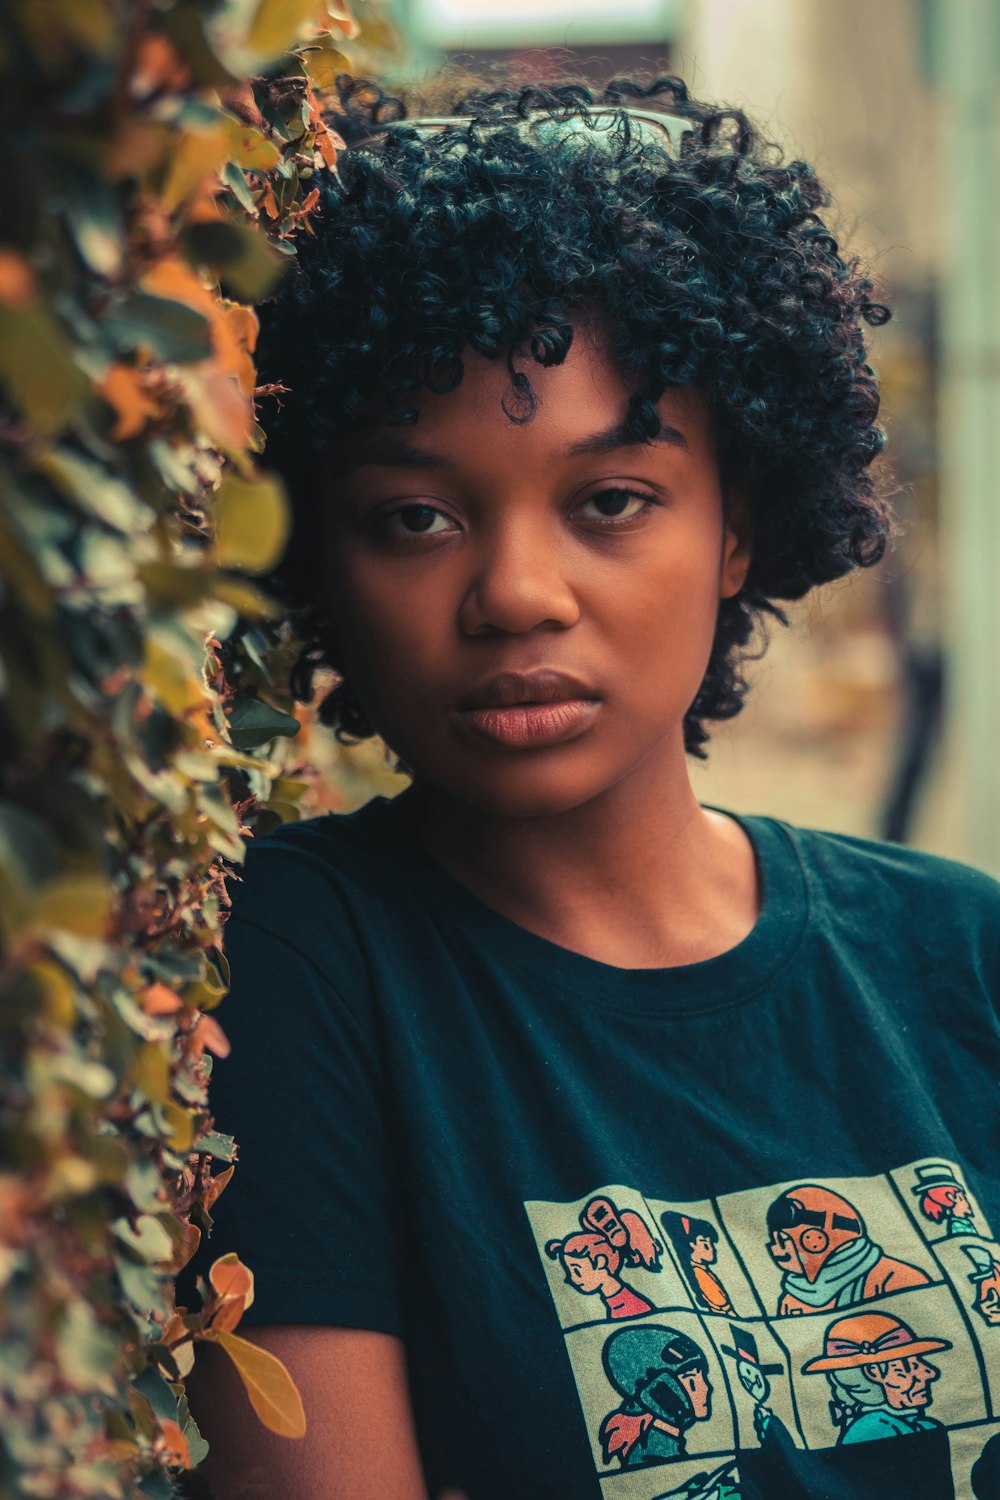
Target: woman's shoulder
<point x="866" y="874"/>
<point x="305" y="860"/>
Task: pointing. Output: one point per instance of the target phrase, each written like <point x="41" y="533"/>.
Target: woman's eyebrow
<point x="391" y="453"/>
<point x="620" y="435"/>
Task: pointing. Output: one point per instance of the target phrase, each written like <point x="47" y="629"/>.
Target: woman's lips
<point x="522" y="726"/>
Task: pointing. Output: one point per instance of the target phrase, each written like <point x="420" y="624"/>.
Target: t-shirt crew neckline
<point x="730" y="978"/>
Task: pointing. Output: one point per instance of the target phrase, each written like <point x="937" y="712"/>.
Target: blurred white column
<point x="968" y="34"/>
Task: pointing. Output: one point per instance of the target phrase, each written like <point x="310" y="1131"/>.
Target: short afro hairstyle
<point x="707" y="263"/>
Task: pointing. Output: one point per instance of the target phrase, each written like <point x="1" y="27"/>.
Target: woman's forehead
<point x="580" y="406"/>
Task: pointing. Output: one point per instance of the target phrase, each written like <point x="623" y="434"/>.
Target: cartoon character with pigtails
<point x="593" y="1257"/>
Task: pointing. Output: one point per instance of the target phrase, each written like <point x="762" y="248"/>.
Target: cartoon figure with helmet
<point x="879" y="1378"/>
<point x="827" y="1260"/>
<point x="593" y="1258"/>
<point x="662" y="1377"/>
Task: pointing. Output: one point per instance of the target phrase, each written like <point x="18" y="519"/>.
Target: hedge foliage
<point x="158" y="157"/>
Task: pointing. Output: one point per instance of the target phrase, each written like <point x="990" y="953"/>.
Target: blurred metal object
<point x="968" y="35"/>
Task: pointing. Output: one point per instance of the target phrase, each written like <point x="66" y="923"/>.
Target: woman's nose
<point x="519" y="582"/>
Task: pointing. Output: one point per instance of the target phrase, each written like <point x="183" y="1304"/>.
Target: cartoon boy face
<point x="961" y="1207"/>
<point x="699" y="1389"/>
<point x="702" y="1250"/>
<point x="906" y="1383"/>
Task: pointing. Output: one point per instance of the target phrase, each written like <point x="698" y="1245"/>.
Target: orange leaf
<point x="157" y="66"/>
<point x="176" y="1445"/>
<point x="122" y="387"/>
<point x="189" y="1241"/>
<point x="159" y="1000"/>
<point x="216" y="1186"/>
<point x="272" y="1391"/>
<point x="227" y="1315"/>
<point x="17" y="280"/>
<point x="231" y="1278"/>
<point x="269" y="202"/>
<point x="224" y="414"/>
<point x="341" y="13"/>
<point x="208" y="1033"/>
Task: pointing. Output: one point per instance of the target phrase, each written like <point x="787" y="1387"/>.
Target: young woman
<point x="578" y="393"/>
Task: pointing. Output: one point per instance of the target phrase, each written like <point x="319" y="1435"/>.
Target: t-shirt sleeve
<point x="312" y="1206"/>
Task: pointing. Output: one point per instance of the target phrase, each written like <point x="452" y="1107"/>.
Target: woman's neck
<point x="640" y="877"/>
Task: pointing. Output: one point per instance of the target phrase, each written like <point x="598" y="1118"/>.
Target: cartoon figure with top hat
<point x="662" y="1376"/>
<point x="752" y="1376"/>
<point x="879" y="1378"/>
<point x="943" y="1198"/>
<point x="985" y="1277"/>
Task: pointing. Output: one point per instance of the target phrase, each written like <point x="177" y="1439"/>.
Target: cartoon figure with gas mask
<point x="827" y="1260"/>
<point x="662" y="1376"/>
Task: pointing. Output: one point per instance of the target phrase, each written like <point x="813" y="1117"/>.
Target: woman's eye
<point x="615" y="506"/>
<point x="416" y="520"/>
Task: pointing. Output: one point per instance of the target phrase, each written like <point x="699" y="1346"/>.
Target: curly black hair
<point x="708" y="263"/>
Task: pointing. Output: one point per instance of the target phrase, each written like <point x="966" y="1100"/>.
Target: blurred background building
<point x="879" y="712"/>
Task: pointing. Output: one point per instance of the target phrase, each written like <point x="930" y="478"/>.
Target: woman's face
<point x="526" y="612"/>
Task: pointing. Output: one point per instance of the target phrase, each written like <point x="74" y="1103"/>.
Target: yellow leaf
<point x="38" y="367"/>
<point x="272" y="1391"/>
<point x="171" y="679"/>
<point x="76" y="903"/>
<point x="277" y="24"/>
<point x="151" y="1072"/>
<point x="59" y="992"/>
<point x="181" y="1126"/>
<point x="197" y="155"/>
<point x="251" y="523"/>
<point x="323" y="63"/>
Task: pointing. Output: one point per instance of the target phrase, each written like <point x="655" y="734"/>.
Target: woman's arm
<point x="360" y="1443"/>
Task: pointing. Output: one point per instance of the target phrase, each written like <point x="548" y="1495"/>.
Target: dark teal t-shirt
<point x="718" y="1230"/>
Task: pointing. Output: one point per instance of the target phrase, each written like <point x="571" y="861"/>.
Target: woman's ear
<point x="737" y="544"/>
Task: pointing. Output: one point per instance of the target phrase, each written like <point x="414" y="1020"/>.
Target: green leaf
<point x="216" y="1144"/>
<point x="86" y="1353"/>
<point x="240" y="256"/>
<point x="151" y="1384"/>
<point x="251" y="523"/>
<point x="236" y="180"/>
<point x="254" y="723"/>
<point x="173" y="330"/>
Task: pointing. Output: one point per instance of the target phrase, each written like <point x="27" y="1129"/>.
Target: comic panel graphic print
<point x="785" y="1335"/>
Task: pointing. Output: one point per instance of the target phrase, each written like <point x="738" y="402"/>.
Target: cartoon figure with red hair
<point x="592" y="1258"/>
<point x="821" y="1244"/>
<point x="943" y="1198"/>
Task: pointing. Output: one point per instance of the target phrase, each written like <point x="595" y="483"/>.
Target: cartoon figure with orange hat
<point x="827" y="1260"/>
<point x="593" y="1258"/>
<point x="879" y="1378"/>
